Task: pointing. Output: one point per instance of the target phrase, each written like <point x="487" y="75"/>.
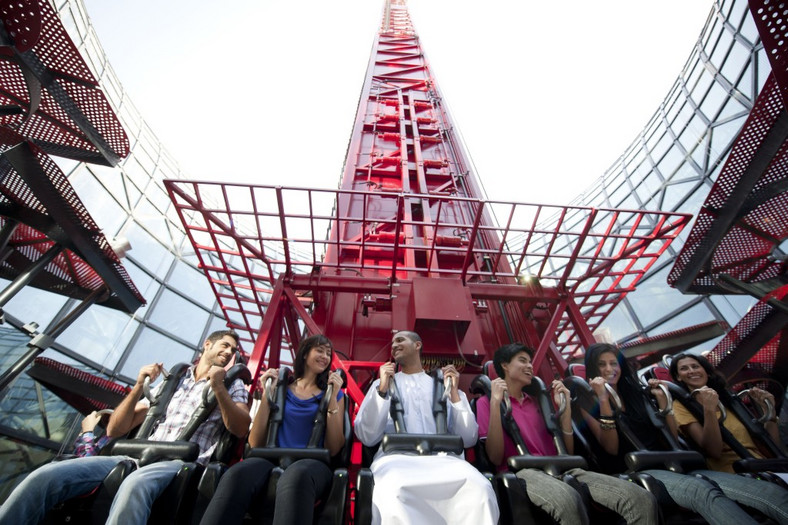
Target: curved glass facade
<point x="673" y="162"/>
<point x="670" y="166"/>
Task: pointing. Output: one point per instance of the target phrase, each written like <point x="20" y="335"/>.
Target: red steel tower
<point x="412" y="244"/>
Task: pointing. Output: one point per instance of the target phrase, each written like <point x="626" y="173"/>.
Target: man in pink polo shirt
<point x="563" y="503"/>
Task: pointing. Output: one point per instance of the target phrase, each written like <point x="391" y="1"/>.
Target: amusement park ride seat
<point x="330" y="510"/>
<point x="177" y="501"/>
<point x="402" y="441"/>
<point x="513" y="500"/>
<point x="674" y="457"/>
<point x="777" y="461"/>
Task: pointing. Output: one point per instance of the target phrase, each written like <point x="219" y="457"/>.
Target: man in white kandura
<point x="442" y="488"/>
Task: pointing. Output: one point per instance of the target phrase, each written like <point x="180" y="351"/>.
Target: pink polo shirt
<point x="528" y="417"/>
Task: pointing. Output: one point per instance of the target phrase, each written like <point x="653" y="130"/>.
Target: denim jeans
<point x="53" y="483"/>
<point x="61" y="480"/>
<point x="135" y="497"/>
<point x="703" y="498"/>
<point x="766" y="497"/>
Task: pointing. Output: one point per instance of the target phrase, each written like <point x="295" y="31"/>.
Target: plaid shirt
<point x="87" y="444"/>
<point x="184" y="403"/>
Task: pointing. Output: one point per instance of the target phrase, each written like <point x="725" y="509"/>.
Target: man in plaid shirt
<point x="59" y="481"/>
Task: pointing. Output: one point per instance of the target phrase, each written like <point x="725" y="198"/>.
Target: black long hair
<point x="629" y="388"/>
<point x="299" y="365"/>
<point x="715" y="381"/>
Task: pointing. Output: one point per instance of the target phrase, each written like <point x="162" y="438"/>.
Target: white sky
<point x="547" y="95"/>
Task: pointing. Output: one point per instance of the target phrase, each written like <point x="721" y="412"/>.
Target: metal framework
<point x="735" y="245"/>
<point x="44" y="225"/>
<point x="50" y="103"/>
<point x="566" y="283"/>
<point x="408" y="242"/>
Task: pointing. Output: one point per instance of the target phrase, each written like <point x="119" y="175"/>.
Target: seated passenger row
<point x="294" y="469"/>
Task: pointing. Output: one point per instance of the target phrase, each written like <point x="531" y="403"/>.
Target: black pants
<point x="243" y="486"/>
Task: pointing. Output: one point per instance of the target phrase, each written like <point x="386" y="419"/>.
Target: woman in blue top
<point x="242" y="487"/>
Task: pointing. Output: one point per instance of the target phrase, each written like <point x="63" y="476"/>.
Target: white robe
<point x="412" y="489"/>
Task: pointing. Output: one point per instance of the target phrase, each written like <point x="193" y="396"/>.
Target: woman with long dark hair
<point x="695" y="374"/>
<point x="306" y="480"/>
<point x="605" y="364"/>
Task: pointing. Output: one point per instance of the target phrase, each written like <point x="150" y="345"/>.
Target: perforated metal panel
<point x="84" y="391"/>
<point x="35" y="193"/>
<point x="744" y="216"/>
<point x="47" y="93"/>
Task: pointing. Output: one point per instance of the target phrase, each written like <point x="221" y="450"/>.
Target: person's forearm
<point x="607" y="437"/>
<point x="235" y="418"/>
<point x="711" y="438"/>
<point x="463" y="423"/>
<point x="774" y="431"/>
<point x="493" y="445"/>
<point x="122" y="418"/>
<point x="335" y="431"/>
<point x="372" y="416"/>
<point x="257" y="434"/>
<point x="567" y="433"/>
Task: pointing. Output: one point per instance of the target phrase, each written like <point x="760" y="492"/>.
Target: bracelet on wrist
<point x="607" y="423"/>
<point x="568" y="432"/>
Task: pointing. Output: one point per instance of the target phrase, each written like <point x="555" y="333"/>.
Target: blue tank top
<point x="298" y="419"/>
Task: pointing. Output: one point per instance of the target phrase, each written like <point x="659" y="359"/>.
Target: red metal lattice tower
<point x="412" y="244"/>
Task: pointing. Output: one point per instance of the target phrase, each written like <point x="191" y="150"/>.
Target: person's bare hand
<point x="386" y="373"/>
<point x="90" y="421"/>
<point x="153" y="370"/>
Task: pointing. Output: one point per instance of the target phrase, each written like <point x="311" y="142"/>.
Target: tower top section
<point x="396" y="20"/>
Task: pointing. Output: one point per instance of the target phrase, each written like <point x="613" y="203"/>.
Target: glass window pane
<point x="153" y="347"/>
<point x="148" y="252"/>
<point x="620" y="323"/>
<point x="108" y="214"/>
<point x="146" y="284"/>
<point x="179" y="316"/>
<point x="32" y="304"/>
<point x="723" y="135"/>
<point x="147" y="215"/>
<point x="654" y="299"/>
<point x="672" y="159"/>
<point x="697" y="314"/>
<point x="100" y="335"/>
<point x="192" y="283"/>
<point x="13" y="345"/>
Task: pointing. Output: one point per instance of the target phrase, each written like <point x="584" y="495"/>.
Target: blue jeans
<point x="135" y="497"/>
<point x="54" y="483"/>
<point x="702" y="497"/>
<point x="766" y="497"/>
<point x="61" y="480"/>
